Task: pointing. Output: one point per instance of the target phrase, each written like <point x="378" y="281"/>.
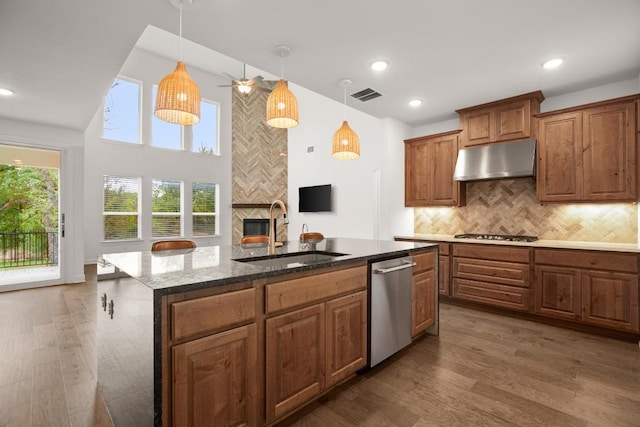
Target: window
<point x="205" y="133"/>
<point x="205" y="214"/>
<point x="121" y="119"/>
<point x="121" y="213"/>
<point x="166" y="207"/>
<point x="164" y="134"/>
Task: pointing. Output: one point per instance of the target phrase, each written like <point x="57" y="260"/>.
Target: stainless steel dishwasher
<point x="390" y="307"/>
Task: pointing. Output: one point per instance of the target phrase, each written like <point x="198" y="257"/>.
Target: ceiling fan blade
<point x="230" y="76"/>
<point x="226" y="85"/>
<point x="258" y="78"/>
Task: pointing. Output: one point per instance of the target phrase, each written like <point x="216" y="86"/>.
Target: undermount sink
<point x="296" y="259"/>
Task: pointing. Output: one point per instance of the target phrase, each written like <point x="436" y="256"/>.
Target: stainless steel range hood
<point x="498" y="160"/>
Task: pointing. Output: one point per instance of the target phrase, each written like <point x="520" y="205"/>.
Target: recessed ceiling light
<point x="415" y="102"/>
<point x="379" y="65"/>
<point x="5" y="91"/>
<point x="552" y="63"/>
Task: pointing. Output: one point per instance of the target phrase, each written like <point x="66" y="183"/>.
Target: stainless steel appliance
<point x="508" y="237"/>
<point x="498" y="160"/>
<point x="390" y="307"/>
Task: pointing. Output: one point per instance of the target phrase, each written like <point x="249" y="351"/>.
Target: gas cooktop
<point x="508" y="237"/>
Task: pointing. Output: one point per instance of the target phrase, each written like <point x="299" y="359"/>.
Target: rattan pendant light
<point x="178" y="97"/>
<point x="346" y="144"/>
<point x="282" y="106"/>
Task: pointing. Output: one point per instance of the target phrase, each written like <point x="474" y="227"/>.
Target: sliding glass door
<point x="31" y="225"/>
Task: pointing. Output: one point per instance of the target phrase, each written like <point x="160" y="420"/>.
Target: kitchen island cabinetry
<point x="228" y="335"/>
<point x="429" y="165"/>
<point x="312" y="348"/>
<point x="492" y="275"/>
<point x="588" y="154"/>
<point x="423" y="293"/>
<point x="214" y="364"/>
<point x="499" y="121"/>
<point x="214" y="379"/>
<point x="587" y="286"/>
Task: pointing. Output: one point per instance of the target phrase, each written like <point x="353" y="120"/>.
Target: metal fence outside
<point x="20" y="249"/>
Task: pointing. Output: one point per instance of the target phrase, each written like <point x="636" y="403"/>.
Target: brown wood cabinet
<point x="588" y="286"/>
<point x="429" y="165"/>
<point x="493" y="275"/>
<point x="214" y="380"/>
<point x="588" y="154"/>
<point x="346" y="336"/>
<point x="319" y="341"/>
<point x="423" y="293"/>
<point x="210" y="357"/>
<point x="504" y="120"/>
<point x="444" y="269"/>
<point x="295" y="359"/>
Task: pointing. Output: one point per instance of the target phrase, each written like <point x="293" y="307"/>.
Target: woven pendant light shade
<point x="178" y="98"/>
<point x="346" y="144"/>
<point x="282" y="107"/>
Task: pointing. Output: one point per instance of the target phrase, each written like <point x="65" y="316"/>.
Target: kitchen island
<point x="219" y="336"/>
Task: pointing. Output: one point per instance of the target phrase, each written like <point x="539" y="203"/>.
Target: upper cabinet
<point x="429" y="165"/>
<point x="504" y="120"/>
<point x="589" y="153"/>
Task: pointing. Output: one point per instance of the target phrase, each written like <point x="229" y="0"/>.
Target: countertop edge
<point x="554" y="244"/>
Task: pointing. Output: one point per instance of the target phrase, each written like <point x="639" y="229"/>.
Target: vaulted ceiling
<point x="61" y="56"/>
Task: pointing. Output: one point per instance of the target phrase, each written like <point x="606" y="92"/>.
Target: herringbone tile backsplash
<point x="510" y="207"/>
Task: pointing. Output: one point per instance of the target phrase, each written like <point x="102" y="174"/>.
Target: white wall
<point x="69" y="143"/>
<point x="365" y="191"/>
<point x="594" y="94"/>
<point x="104" y="157"/>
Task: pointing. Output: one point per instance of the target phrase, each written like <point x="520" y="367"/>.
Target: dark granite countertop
<point x="182" y="270"/>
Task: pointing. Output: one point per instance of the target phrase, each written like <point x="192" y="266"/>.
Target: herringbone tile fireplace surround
<point x="510" y="207"/>
<point x="259" y="161"/>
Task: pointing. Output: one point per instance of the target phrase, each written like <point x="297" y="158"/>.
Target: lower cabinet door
<point x="443" y="275"/>
<point x="295" y="359"/>
<point x="346" y="336"/>
<point x="558" y="292"/>
<point x="610" y="299"/>
<point x="215" y="380"/>
<point x="423" y="301"/>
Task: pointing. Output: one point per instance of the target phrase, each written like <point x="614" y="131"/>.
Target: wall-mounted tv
<point x="314" y="199"/>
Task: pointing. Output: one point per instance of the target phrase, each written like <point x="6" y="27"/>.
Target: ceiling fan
<point x="244" y="84"/>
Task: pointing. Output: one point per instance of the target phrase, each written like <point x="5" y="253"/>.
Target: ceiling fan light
<point x="282" y="107"/>
<point x="243" y="88"/>
<point x="346" y="144"/>
<point x="178" y="98"/>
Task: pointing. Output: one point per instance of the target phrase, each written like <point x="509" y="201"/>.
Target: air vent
<point x="366" y="94"/>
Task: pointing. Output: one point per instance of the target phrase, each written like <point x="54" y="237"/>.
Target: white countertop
<point x="557" y="244"/>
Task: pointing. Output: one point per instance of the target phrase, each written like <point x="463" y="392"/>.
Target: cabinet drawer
<point x="424" y="261"/>
<point x="613" y="261"/>
<point x="492" y="252"/>
<point x="506" y="273"/>
<point x="201" y="315"/>
<point x="319" y="287"/>
<point x="489" y="293"/>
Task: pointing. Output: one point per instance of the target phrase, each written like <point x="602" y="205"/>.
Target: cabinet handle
<point x="111" y="309"/>
<point x="103" y="299"/>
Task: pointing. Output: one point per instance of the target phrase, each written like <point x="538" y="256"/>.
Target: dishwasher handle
<point x="405" y="264"/>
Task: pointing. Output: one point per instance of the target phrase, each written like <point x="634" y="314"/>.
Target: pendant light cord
<point x="345" y="102"/>
<point x="180" y="40"/>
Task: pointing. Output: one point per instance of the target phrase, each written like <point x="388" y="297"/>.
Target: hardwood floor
<point x="48" y="357"/>
<point x="483" y="370"/>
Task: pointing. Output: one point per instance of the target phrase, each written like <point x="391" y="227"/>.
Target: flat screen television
<point x="314" y="199"/>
